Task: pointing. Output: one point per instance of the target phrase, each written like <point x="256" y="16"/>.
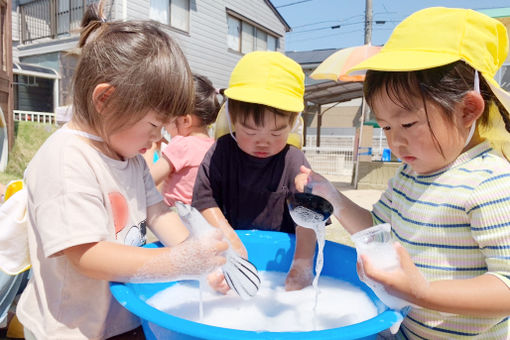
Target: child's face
<point x="136" y="139"/>
<point x="263" y="141"/>
<point x="410" y="137"/>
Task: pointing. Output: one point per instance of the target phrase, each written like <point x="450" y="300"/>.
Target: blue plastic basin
<point x="269" y="251"/>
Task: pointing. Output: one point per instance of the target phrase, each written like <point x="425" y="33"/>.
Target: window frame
<point x="169" y="22"/>
<point x="256" y="28"/>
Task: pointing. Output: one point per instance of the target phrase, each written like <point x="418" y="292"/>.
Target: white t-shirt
<point x="77" y="195"/>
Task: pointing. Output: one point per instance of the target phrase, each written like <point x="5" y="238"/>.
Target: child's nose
<point x="157" y="135"/>
<point x="398" y="139"/>
<point x="262" y="140"/>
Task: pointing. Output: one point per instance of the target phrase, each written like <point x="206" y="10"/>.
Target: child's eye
<point x="385" y="128"/>
<point x="276" y="134"/>
<point x="408" y="125"/>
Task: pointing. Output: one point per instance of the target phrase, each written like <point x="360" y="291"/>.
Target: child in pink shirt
<point x="177" y="167"/>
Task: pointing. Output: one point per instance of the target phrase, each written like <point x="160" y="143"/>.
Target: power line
<point x="340" y="21"/>
<point x="377" y="22"/>
<point x="292" y="3"/>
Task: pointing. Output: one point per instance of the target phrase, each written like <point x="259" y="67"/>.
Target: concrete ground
<point x="364" y="198"/>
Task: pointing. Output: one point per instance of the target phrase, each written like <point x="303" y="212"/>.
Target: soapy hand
<point x="405" y="282"/>
<point x="300" y="275"/>
<point x="200" y="255"/>
<point x="191" y="259"/>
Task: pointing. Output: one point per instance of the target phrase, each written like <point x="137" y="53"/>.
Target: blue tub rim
<point x="123" y="294"/>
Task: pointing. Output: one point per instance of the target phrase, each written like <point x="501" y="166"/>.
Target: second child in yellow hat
<point x="432" y="91"/>
<point x="246" y="176"/>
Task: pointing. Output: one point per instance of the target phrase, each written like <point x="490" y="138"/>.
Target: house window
<point x="245" y="37"/>
<point x="174" y="13"/>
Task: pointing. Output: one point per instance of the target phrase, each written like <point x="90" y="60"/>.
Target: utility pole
<point x="368" y="21"/>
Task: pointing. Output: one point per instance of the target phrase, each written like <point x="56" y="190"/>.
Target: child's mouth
<point x="260" y="154"/>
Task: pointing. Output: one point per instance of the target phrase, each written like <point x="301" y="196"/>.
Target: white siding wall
<point x="15" y="21"/>
<point x="205" y="45"/>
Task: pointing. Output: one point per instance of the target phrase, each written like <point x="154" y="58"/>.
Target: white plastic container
<point x="377" y="244"/>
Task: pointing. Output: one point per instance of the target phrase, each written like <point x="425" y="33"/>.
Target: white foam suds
<point x="272" y="309"/>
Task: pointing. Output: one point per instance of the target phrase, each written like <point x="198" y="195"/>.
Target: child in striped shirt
<point x="432" y="91"/>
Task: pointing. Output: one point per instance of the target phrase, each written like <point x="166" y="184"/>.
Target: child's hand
<point x="217" y="281"/>
<point x="199" y="256"/>
<point x="300" y="275"/>
<point x="405" y="282"/>
<point x="309" y="180"/>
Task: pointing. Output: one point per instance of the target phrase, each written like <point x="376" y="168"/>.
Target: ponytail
<point x="92" y="20"/>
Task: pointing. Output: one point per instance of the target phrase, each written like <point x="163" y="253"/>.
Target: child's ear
<point x="472" y="108"/>
<point x="101" y="94"/>
<point x="187" y="121"/>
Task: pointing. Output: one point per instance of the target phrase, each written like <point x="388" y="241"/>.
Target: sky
<point x="311" y="21"/>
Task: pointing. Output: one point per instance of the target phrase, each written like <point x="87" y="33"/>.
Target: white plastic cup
<point x="377" y="244"/>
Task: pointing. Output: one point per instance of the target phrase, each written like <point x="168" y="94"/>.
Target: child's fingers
<point x="305" y="170"/>
<point x="373" y="273"/>
<point x="217" y="239"/>
<point x="404" y="257"/>
<point x="217" y="281"/>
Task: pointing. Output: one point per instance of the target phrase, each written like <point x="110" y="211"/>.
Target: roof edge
<point x="280" y="17"/>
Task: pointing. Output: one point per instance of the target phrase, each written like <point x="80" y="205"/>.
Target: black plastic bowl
<point x="311" y="202"/>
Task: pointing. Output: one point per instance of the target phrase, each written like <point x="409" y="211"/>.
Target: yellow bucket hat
<point x="268" y="78"/>
<point x="438" y="36"/>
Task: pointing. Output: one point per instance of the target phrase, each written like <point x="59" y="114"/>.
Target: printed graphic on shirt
<point x="135" y="235"/>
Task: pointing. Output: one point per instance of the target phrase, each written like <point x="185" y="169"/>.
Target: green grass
<point x="28" y="137"/>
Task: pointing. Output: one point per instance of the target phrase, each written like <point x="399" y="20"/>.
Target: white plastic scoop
<point x="240" y="274"/>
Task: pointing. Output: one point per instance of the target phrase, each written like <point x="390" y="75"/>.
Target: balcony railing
<point x="50" y="18"/>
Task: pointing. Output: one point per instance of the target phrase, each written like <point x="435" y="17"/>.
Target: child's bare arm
<point x="161" y="169"/>
<point x="216" y="218"/>
<point x="484" y="295"/>
<point x="352" y="217"/>
<point x="116" y="262"/>
<point x="166" y="224"/>
<point x="301" y="272"/>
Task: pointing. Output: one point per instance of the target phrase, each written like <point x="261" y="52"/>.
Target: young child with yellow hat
<point x="246" y="176"/>
<point x="432" y="91"/>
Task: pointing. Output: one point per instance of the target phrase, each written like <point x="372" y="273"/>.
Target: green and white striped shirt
<point x="455" y="224"/>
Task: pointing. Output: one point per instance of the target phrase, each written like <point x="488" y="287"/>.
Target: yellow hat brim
<point x="405" y="61"/>
<point x="282" y="101"/>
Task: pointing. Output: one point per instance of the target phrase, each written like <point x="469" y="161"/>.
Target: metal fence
<point x="334" y="158"/>
<point x="33" y="116"/>
<point x="50" y="18"/>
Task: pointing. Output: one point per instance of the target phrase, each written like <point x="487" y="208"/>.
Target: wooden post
<point x="6" y="94"/>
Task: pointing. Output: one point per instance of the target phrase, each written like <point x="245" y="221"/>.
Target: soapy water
<point x="307" y="218"/>
<point x="376" y="244"/>
<point x="272" y="309"/>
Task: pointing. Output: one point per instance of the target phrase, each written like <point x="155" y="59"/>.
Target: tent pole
<point x="360" y="135"/>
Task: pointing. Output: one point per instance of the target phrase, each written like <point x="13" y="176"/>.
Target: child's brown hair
<point x="207" y="105"/>
<point x="145" y="68"/>
<point x="444" y="85"/>
<point x="240" y="111"/>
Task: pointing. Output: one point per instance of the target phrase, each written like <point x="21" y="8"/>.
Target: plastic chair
<point x="11" y="285"/>
<point x="295" y="136"/>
